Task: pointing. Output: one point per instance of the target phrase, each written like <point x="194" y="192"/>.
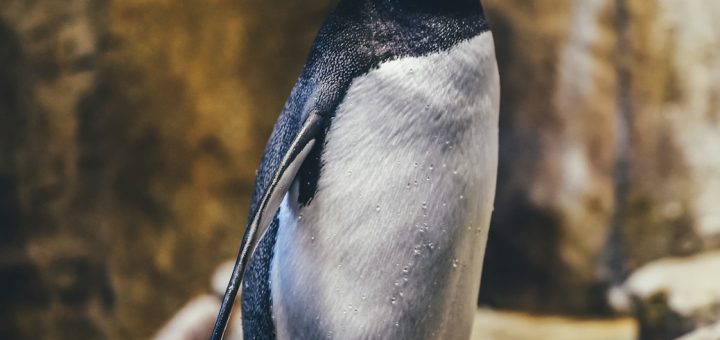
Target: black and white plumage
<point x="373" y="198"/>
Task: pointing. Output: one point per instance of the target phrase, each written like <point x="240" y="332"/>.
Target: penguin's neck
<point x="467" y="7"/>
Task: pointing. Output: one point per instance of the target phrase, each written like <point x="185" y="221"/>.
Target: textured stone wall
<point x="675" y="87"/>
<point x="609" y="157"/>
<point x="130" y="132"/>
<point x="672" y="221"/>
<point x="554" y="203"/>
<point x="130" y="135"/>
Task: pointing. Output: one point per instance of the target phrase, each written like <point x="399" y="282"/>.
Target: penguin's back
<point x="391" y="244"/>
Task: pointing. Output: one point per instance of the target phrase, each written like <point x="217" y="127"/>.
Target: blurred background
<point x="130" y="132"/>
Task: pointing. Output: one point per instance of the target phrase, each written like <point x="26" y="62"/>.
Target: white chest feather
<point x="392" y="244"/>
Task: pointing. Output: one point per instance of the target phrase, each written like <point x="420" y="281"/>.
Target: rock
<point x="711" y="332"/>
<point x="196" y="319"/>
<point x="129" y="137"/>
<point x="609" y="127"/>
<point x="676" y="295"/>
<point x="674" y="176"/>
<point x="503" y="325"/>
<point x="221" y="277"/>
<point x="554" y="202"/>
<point x="54" y="257"/>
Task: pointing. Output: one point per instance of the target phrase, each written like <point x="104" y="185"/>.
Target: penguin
<point x="373" y="198"/>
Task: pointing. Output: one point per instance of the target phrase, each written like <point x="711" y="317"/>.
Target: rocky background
<point x="130" y="132"/>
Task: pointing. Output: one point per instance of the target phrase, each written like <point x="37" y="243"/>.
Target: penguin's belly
<point x="391" y="246"/>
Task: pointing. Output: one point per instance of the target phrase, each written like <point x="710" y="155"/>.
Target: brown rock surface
<point x="673" y="177"/>
<point x="555" y="188"/>
<point x="609" y="134"/>
<point x="673" y="296"/>
<point x="130" y="135"/>
<point x="504" y="325"/>
<point x="674" y="187"/>
<point x="705" y="333"/>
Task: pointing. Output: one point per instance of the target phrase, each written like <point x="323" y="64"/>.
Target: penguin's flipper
<point x="269" y="204"/>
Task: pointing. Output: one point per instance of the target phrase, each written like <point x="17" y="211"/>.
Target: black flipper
<point x="269" y="204"/>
